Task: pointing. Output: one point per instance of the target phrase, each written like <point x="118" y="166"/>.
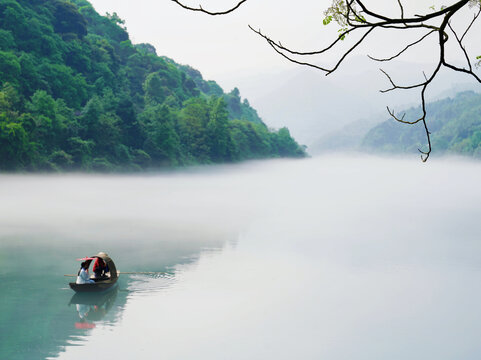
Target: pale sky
<point x="216" y="45"/>
<point x="223" y="46"/>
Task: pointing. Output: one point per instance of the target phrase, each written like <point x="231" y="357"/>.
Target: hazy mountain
<point x="454" y="123"/>
<point x="347" y="138"/>
<point x="313" y="105"/>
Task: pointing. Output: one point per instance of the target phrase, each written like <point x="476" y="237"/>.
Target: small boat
<point x="104" y="283"/>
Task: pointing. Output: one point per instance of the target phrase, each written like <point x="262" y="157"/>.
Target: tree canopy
<point x="76" y="93"/>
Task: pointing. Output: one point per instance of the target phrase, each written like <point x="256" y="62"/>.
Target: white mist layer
<point x="336" y="258"/>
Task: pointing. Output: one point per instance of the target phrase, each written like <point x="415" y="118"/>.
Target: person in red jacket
<point x="99" y="268"/>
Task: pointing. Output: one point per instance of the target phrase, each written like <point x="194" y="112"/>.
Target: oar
<point x="132" y="273"/>
<point x="143" y="272"/>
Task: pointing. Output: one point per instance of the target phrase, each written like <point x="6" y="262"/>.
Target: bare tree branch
<point x="471" y="24"/>
<point x="306" y="53"/>
<point x="200" y="9"/>
<point x="403" y="50"/>
<point x="368" y="12"/>
<point x="463" y="49"/>
<point x="406" y="87"/>
<point x="356" y="18"/>
<point x="350" y="50"/>
<point x="401" y="120"/>
<point x="278" y="47"/>
<point x="428" y="133"/>
<point x="469" y="72"/>
<point x="402" y="9"/>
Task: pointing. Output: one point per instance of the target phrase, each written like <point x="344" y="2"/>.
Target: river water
<point x="326" y="258"/>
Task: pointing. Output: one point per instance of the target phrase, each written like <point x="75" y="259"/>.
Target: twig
<point x="200" y="9"/>
<point x="403" y="50"/>
<point x="402" y="9"/>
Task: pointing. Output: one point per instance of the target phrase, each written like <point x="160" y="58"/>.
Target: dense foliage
<point x="455" y="127"/>
<point x="75" y="93"/>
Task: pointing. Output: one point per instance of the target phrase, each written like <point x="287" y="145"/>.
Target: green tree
<point x="68" y="20"/>
<point x="155" y="91"/>
<point x="131" y="131"/>
<point x="14" y="143"/>
<point x="220" y="142"/>
<point x="286" y="145"/>
<point x="162" y="142"/>
<point x="81" y="151"/>
<point x="107" y="136"/>
<point x="7" y="42"/>
<point x="9" y="68"/>
<point x="48" y="128"/>
<point x="193" y="129"/>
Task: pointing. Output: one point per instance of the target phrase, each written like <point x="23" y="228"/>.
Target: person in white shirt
<point x="83" y="275"/>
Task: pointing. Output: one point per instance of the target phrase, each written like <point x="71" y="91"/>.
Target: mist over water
<point x="346" y="257"/>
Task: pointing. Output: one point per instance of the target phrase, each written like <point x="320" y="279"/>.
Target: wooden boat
<point x="102" y="284"/>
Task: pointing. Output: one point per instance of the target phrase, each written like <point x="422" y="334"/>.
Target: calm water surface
<point x="328" y="258"/>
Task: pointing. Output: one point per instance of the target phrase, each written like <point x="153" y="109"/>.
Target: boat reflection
<point x="92" y="307"/>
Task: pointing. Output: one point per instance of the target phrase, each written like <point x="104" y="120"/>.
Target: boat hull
<point x="98" y="286"/>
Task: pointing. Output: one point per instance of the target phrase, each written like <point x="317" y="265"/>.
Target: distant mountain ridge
<point x="454" y="123"/>
<point x="75" y="93"/>
<point x="313" y="105"/>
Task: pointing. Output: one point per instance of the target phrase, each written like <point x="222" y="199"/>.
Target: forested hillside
<point x="455" y="125"/>
<point x="75" y="93"/>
